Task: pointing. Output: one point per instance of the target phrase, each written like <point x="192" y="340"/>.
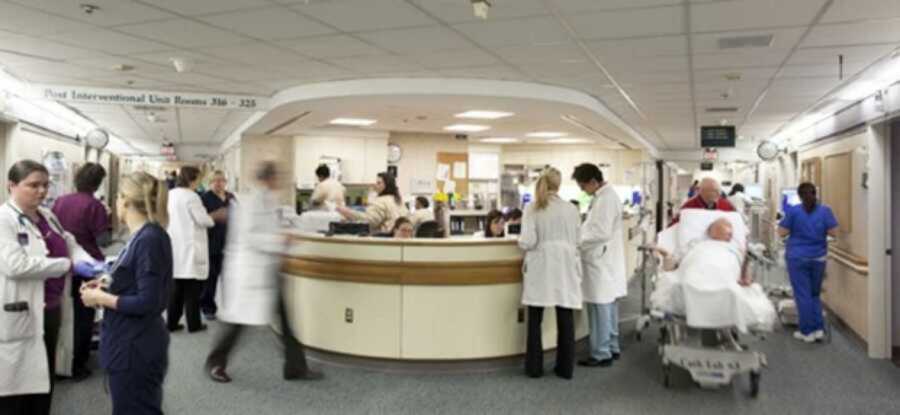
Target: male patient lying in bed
<point x="710" y="283"/>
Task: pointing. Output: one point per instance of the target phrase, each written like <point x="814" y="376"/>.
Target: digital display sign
<point x="717" y="136"/>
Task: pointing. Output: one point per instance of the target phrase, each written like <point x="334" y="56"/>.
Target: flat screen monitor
<point x="754" y="190"/>
<point x="717" y="136"/>
<point x="789" y="197"/>
<point x="514" y="229"/>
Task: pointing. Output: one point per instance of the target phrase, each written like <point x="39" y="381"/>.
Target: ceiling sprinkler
<point x="89" y="8"/>
<point x="480" y="8"/>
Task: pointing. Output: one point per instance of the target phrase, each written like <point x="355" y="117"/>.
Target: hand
<point x="88" y="269"/>
<point x="220" y="214"/>
<point x="92" y="295"/>
<point x="662" y="252"/>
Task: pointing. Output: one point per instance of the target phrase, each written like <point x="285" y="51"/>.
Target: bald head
<point x="710" y="190"/>
<point x="720" y="230"/>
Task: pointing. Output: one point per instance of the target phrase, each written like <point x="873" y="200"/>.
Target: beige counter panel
<point x="317" y="309"/>
<point x="370" y="252"/>
<point x="451" y="253"/>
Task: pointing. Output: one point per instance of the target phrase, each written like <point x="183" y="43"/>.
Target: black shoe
<point x="201" y="328"/>
<point x="562" y="375"/>
<point x="591" y="362"/>
<point x="307" y="374"/>
<point x="616" y="356"/>
<point x="177" y="327"/>
<point x="209" y="316"/>
<point x="80" y="374"/>
<point x="534" y="375"/>
<point x="218" y="374"/>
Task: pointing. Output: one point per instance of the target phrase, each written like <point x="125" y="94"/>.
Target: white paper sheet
<point x="449" y="186"/>
<point x="443" y="172"/>
<point x="459" y="170"/>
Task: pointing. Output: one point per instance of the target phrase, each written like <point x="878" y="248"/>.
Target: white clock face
<point x="394" y="153"/>
<point x="97" y="138"/>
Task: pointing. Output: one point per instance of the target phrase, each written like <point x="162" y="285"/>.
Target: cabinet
<point x="361" y="157"/>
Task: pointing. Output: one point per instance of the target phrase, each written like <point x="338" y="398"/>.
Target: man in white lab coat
<point x="329" y="191"/>
<point x="603" y="263"/>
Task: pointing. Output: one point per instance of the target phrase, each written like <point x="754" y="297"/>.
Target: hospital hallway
<point x="834" y="378"/>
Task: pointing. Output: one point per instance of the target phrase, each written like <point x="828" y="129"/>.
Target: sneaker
<point x="806" y="338"/>
<point x="819" y="334"/>
<point x="218" y="374"/>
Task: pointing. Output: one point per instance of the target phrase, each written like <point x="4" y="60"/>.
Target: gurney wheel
<point x="754" y="384"/>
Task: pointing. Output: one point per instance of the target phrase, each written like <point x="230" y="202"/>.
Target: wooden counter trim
<point x="446" y="242"/>
<point x="405" y="273"/>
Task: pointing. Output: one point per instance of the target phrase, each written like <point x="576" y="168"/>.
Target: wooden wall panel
<point x="836" y="188"/>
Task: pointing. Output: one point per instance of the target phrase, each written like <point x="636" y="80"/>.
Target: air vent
<point x="721" y="109"/>
<point x="740" y="42"/>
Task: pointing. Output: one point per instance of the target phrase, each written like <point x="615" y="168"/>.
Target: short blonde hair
<point x="143" y="193"/>
<point x="547" y="185"/>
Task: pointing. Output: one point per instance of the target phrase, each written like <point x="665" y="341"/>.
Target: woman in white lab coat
<point x="250" y="291"/>
<point x="188" y="222"/>
<point x="34" y="249"/>
<point x="384" y="210"/>
<point x="603" y="258"/>
<point x="552" y="273"/>
<point x="739" y="200"/>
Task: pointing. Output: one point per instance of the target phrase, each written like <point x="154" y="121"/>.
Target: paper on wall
<point x="459" y="170"/>
<point x="450" y="186"/>
<point x="443" y="172"/>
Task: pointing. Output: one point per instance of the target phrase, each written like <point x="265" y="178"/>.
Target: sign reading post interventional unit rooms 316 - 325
<point x="137" y="97"/>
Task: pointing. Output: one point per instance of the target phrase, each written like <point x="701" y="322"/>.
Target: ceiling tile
<point x="728" y="61"/>
<point x="183" y="33"/>
<point x="165" y="58"/>
<point x="368" y="65"/>
<point x="200" y="7"/>
<point x="26" y="21"/>
<point x="454" y="11"/>
<point x="254" y="53"/>
<point x="885" y="31"/>
<point x="417" y="40"/>
<point x="565" y="53"/>
<point x="654" y="46"/>
<point x="752" y="14"/>
<point x="108" y="41"/>
<point x="857" y="54"/>
<point x="844" y="10"/>
<point x="487" y="72"/>
<point x="541" y="30"/>
<point x="269" y="24"/>
<point x="111" y="12"/>
<point x="783" y="39"/>
<point x="455" y="59"/>
<point x="186" y="78"/>
<point x="581" y="6"/>
<point x="629" y="23"/>
<point x="825" y="71"/>
<point x="647" y="64"/>
<point x="236" y="72"/>
<point x="324" y="47"/>
<point x="358" y="15"/>
<point x="107" y="63"/>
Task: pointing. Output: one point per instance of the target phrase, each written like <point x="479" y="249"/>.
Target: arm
<point x="598" y="227"/>
<point x="831" y="224"/>
<point x="528" y="239"/>
<point x="100" y="225"/>
<point x="198" y="213"/>
<point x="746" y="278"/>
<point x="784" y="227"/>
<point x="148" y="261"/>
<point x="318" y="195"/>
<point x="17" y="264"/>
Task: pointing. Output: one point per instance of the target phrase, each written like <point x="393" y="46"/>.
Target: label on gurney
<point x="710" y="366"/>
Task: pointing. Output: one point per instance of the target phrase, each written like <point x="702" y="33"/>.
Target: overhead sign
<point x="135" y="97"/>
<point x="717" y="136"/>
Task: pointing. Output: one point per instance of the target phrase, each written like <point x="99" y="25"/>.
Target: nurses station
<point x="724" y="169"/>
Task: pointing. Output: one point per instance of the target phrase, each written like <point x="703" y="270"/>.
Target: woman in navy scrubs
<point x="808" y="227"/>
<point x="135" y="342"/>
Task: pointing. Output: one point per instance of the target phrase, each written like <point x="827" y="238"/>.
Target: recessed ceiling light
<point x="484" y="115"/>
<point x="569" y="141"/>
<point x="356" y="122"/>
<point x="500" y="140"/>
<point x="546" y="134"/>
<point x="122" y="67"/>
<point x="466" y="128"/>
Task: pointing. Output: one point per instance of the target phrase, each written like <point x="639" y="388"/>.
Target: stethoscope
<point x="26" y="222"/>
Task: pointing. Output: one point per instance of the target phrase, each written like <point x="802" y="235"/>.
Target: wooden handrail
<point x="848" y="259"/>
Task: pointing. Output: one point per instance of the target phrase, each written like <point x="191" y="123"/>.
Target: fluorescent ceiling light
<point x="500" y="140"/>
<point x="358" y="122"/>
<point x="466" y="128"/>
<point x="484" y="115"/>
<point x="546" y="134"/>
<point x="569" y="141"/>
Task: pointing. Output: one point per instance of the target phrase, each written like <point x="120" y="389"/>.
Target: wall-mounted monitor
<point x="717" y="136"/>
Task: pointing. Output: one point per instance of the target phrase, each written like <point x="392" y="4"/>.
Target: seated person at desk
<point x="329" y="191"/>
<point x="514" y="217"/>
<point x="709" y="284"/>
<point x="422" y="213"/>
<point x="403" y="228"/>
<point x="494" y="225"/>
<point x="384" y="210"/>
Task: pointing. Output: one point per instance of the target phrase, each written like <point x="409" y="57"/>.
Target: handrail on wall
<point x="854" y="262"/>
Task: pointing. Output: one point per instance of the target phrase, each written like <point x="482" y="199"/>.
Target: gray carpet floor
<point x="835" y="378"/>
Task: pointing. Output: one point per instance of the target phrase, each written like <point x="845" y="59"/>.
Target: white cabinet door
<point x="376" y="157"/>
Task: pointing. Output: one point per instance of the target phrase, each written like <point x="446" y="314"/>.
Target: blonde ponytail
<point x="146" y="195"/>
<point x="547" y="186"/>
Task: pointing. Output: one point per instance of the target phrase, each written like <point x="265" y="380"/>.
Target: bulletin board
<point x="837" y="190"/>
<point x="811" y="171"/>
<point x="455" y="171"/>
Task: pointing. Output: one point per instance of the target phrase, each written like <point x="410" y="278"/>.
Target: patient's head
<point x="720" y="230"/>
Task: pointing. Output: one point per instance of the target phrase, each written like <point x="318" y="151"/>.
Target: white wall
<point x="419" y="158"/>
<point x="26" y="142"/>
<point x="363" y="155"/>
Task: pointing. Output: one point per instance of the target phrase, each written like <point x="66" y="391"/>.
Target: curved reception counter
<point x="410" y="299"/>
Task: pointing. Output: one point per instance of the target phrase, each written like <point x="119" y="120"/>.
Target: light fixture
<point x="568" y="141"/>
<point x="546" y="134"/>
<point x="500" y="140"/>
<point x="484" y="115"/>
<point x="356" y="122"/>
<point x="466" y="128"/>
<point x="480" y="8"/>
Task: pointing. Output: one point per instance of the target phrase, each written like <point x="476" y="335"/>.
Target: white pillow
<point x="694" y="223"/>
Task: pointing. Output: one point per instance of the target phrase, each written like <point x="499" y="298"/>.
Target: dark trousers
<point x="565" y="342"/>
<point x="136" y="392"/>
<point x="208" y="298"/>
<point x="83" y="322"/>
<point x="38" y="403"/>
<point x="227" y="338"/>
<point x="185" y="298"/>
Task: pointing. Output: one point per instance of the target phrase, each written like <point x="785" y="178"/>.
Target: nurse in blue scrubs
<point x="134" y="348"/>
<point x="808" y="226"/>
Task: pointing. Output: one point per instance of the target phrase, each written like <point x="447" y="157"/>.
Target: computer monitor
<point x="754" y="190"/>
<point x="789" y="197"/>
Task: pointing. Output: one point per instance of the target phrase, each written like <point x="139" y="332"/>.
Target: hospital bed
<point x="709" y="350"/>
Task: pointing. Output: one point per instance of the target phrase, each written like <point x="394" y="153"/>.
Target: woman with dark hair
<point x="493" y="225"/>
<point x="82" y="215"/>
<point x="37" y="256"/>
<point x="514" y="216"/>
<point x="403" y="228"/>
<point x="188" y="222"/>
<point x="807" y="227"/>
<point x="738" y="199"/>
<point x="384" y="210"/>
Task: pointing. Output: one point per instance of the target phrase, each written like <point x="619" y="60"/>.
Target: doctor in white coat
<point x="188" y="222"/>
<point x="603" y="257"/>
<point x="552" y="273"/>
<point x="27" y="330"/>
<point x="250" y="292"/>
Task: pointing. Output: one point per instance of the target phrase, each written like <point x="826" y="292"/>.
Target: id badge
<point x="22" y="238"/>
